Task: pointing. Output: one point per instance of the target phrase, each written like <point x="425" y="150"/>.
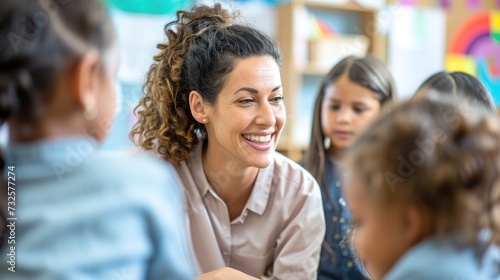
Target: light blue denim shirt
<point x="88" y="215"/>
<point x="443" y="259"/>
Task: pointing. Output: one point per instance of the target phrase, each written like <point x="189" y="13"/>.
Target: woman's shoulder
<point x="292" y="174"/>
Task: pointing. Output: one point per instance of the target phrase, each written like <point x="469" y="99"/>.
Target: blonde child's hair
<point x="432" y="154"/>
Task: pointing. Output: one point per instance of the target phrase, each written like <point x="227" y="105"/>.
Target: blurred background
<point x="416" y="38"/>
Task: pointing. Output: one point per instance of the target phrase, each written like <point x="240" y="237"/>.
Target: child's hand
<point x="225" y="273"/>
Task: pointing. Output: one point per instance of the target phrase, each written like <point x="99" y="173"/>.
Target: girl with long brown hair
<point x="350" y="97"/>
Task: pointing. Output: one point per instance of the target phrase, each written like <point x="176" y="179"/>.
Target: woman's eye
<point x="277" y="99"/>
<point x="246" y="101"/>
<point x="335" y="107"/>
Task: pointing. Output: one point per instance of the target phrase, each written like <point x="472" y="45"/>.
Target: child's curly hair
<point x="429" y="152"/>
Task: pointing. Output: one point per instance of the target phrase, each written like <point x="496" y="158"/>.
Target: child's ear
<point x="198" y="107"/>
<point x="86" y="81"/>
<point x="417" y="227"/>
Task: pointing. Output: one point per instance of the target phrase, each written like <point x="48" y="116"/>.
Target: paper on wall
<point x="416" y="45"/>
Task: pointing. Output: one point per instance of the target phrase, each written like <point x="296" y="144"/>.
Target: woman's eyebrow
<point x="252" y="90"/>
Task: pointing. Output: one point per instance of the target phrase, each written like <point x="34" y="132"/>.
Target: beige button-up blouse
<point x="279" y="233"/>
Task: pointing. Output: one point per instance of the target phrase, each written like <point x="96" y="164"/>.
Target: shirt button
<point x="342" y="201"/>
<point x="349" y="264"/>
<point x="225" y="253"/>
<point x="341" y="220"/>
<point x="245" y="214"/>
<point x="335" y="219"/>
<point x="337" y="184"/>
<point x="337" y="236"/>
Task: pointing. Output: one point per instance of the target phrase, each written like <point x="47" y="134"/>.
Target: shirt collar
<point x="260" y="194"/>
<point x="196" y="167"/>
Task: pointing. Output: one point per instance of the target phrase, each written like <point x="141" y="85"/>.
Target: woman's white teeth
<point x="257" y="138"/>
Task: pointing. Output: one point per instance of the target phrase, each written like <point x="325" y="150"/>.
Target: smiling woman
<point x="213" y="106"/>
<point x="251" y="103"/>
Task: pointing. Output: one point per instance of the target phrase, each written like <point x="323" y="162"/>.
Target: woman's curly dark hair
<point x="202" y="48"/>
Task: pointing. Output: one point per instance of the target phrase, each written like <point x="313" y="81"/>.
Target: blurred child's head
<point x="424" y="169"/>
<point x="57" y="68"/>
<point x="458" y="84"/>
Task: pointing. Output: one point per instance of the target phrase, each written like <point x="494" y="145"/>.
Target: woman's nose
<point x="265" y="115"/>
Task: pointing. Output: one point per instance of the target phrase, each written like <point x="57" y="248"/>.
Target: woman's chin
<point x="262" y="161"/>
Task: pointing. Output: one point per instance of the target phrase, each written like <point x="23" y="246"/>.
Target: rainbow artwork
<point x="475" y="49"/>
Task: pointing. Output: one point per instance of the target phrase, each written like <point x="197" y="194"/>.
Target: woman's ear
<point x="198" y="107"/>
<point x="85" y="84"/>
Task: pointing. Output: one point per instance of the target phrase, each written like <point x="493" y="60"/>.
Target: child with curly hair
<point x="423" y="190"/>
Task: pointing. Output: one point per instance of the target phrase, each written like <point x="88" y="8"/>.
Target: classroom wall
<point x="421" y="52"/>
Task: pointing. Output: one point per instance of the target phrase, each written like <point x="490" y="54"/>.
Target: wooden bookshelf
<point x="293" y="71"/>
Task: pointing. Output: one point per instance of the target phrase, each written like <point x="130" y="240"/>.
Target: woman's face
<point x="347" y="109"/>
<point x="246" y="121"/>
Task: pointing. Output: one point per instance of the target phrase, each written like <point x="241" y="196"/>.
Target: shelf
<point x="283" y="143"/>
<point x="301" y="81"/>
<point x="314" y="71"/>
<point x="290" y="149"/>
